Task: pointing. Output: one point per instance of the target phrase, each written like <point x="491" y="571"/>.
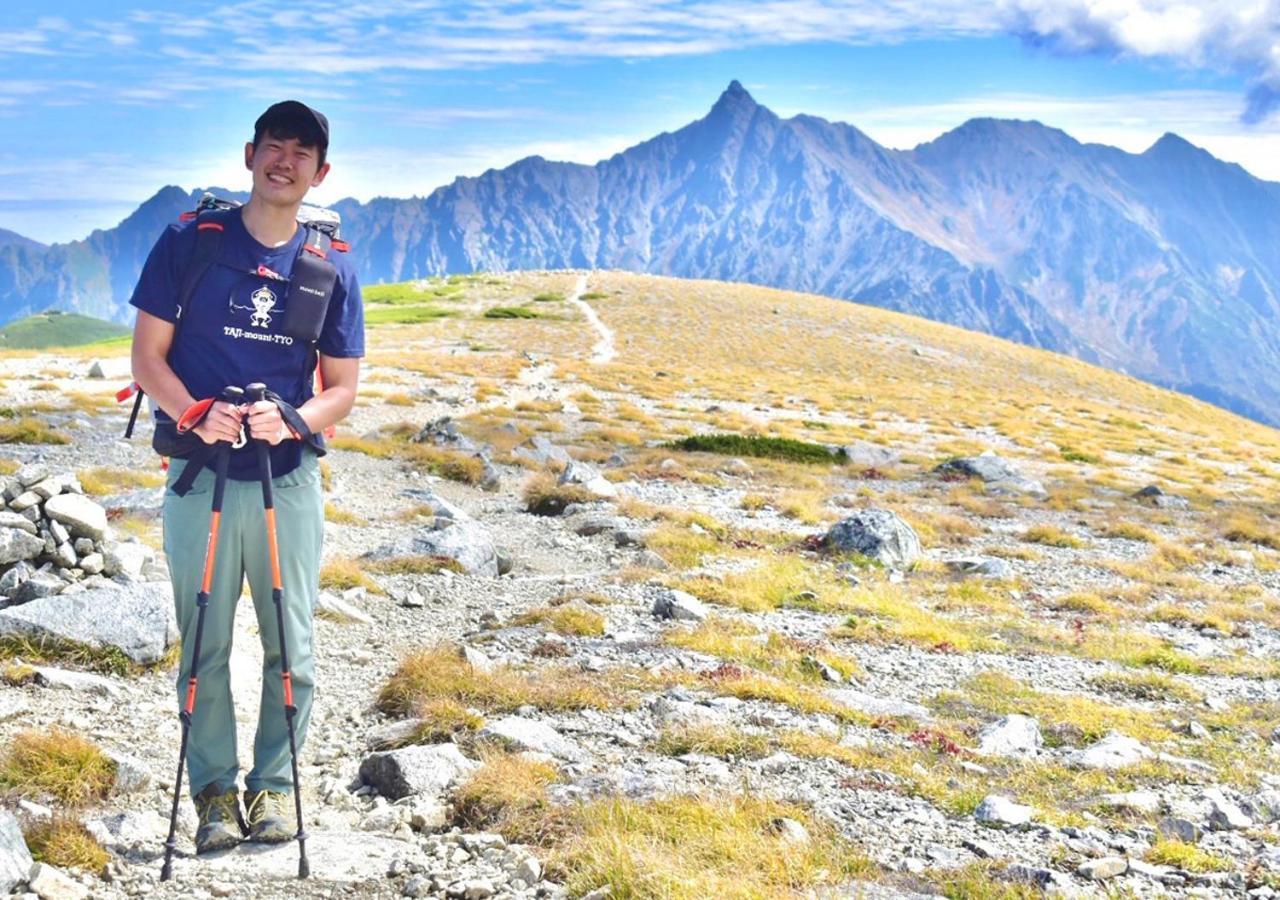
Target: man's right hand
<point x="222" y="423"/>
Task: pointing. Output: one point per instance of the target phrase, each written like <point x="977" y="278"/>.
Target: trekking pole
<point x="256" y="392"/>
<point x="230" y="395"/>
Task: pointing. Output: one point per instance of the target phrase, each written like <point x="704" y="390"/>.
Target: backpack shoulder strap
<point x="210" y="225"/>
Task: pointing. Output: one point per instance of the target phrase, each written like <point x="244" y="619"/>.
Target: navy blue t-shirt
<point x="231" y="333"/>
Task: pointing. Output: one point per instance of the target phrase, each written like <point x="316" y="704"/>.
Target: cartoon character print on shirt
<point x="262" y="310"/>
<point x="262" y="303"/>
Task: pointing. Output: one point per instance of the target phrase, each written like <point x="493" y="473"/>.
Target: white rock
<point x="529" y="734"/>
<point x="1104" y="868"/>
<point x="1013" y="735"/>
<point x="426" y="770"/>
<point x="331" y="606"/>
<point x="679" y="605"/>
<point x="49" y="883"/>
<point x="1144" y="802"/>
<point x="879" y="706"/>
<point x="997" y="810"/>
<point x="1114" y="751"/>
<point x="15" y="858"/>
<point x="80" y="514"/>
<point x="81" y="682"/>
<point x="1225" y="815"/>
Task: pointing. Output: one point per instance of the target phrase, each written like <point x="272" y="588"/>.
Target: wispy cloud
<point x="1241" y="37"/>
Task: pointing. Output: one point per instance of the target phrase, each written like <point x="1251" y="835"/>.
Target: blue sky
<point x="103" y="103"/>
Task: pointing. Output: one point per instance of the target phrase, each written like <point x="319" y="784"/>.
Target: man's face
<point x="283" y="170"/>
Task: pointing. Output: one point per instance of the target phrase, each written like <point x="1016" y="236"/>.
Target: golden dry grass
<point x="57" y="764"/>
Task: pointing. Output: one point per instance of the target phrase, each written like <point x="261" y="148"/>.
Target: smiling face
<point x="283" y="169"/>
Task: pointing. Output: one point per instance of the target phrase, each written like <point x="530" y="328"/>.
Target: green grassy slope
<point x="57" y="329"/>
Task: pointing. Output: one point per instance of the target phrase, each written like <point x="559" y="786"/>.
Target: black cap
<point x="293" y="109"/>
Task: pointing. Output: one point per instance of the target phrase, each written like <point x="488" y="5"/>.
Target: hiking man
<point x="235" y="331"/>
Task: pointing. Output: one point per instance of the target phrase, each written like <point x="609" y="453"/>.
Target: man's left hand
<point x="265" y="423"/>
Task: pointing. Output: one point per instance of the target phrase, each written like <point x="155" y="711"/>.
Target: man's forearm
<point x="329" y="407"/>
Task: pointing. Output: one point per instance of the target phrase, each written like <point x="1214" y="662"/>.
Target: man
<point x="231" y="335"/>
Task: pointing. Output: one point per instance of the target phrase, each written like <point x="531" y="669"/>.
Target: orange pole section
<point x="276" y="581"/>
<point x="210" y="550"/>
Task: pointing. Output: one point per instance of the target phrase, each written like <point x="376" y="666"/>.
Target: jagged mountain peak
<point x="734" y="104"/>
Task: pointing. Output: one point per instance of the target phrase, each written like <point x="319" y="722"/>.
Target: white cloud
<point x="1237" y="36"/>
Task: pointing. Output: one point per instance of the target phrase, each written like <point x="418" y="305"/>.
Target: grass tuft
<point x="758" y="446"/>
<point x="29" y="430"/>
<point x="567" y="619"/>
<point x="65" y="843"/>
<point x="58" y="764"/>
<point x="543" y="497"/>
<point x="343" y="573"/>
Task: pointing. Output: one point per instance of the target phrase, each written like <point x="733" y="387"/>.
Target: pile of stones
<point x="53" y="537"/>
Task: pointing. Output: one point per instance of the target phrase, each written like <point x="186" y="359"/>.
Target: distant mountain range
<point x="1164" y="264"/>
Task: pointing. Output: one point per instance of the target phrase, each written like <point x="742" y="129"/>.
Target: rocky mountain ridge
<point x="1161" y="264"/>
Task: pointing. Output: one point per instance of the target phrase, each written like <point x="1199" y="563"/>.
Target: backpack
<point x="310" y="289"/>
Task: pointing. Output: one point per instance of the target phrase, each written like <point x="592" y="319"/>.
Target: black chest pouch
<point x="310" y="289"/>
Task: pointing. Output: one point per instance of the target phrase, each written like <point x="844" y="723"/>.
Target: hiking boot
<point x="221" y="825"/>
<point x="269" y="817"/>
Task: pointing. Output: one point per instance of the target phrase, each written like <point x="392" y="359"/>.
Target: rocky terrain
<point x="980" y="621"/>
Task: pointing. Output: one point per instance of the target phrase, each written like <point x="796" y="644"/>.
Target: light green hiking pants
<point x="242" y="550"/>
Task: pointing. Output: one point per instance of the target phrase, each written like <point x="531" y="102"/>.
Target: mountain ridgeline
<point x="1164" y="264"/>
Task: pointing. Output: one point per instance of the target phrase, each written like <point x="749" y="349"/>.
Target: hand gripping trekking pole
<point x="230" y="395"/>
<point x="258" y="392"/>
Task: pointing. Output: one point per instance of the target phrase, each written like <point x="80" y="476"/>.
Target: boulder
<point x="995" y="471"/>
<point x="429" y="770"/>
<point x="49" y="883"/>
<point x="443" y="432"/>
<point x="39" y="585"/>
<point x="123" y="832"/>
<point x="13" y="520"/>
<point x="1154" y="495"/>
<point x="1225" y="815"/>
<point x="579" y="473"/>
<point x="1142" y="802"/>
<point x="1104" y="868"/>
<point x="992" y="567"/>
<point x="1114" y="751"/>
<point x="16" y="544"/>
<point x="520" y="733"/>
<point x="132" y="774"/>
<point x="998" y="810"/>
<point x="1012" y="735"/>
<point x="674" y="604"/>
<point x="125" y="558"/>
<point x="80" y="682"/>
<point x="879" y="706"/>
<point x="987" y="466"/>
<point x="80" y="514"/>
<point x="142" y="503"/>
<point x="330" y="606"/>
<point x="876" y="533"/>
<point x="15" y="858"/>
<point x="137" y="619"/>
<point x="461" y="539"/>
<point x="867" y="454"/>
<point x="542" y="451"/>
